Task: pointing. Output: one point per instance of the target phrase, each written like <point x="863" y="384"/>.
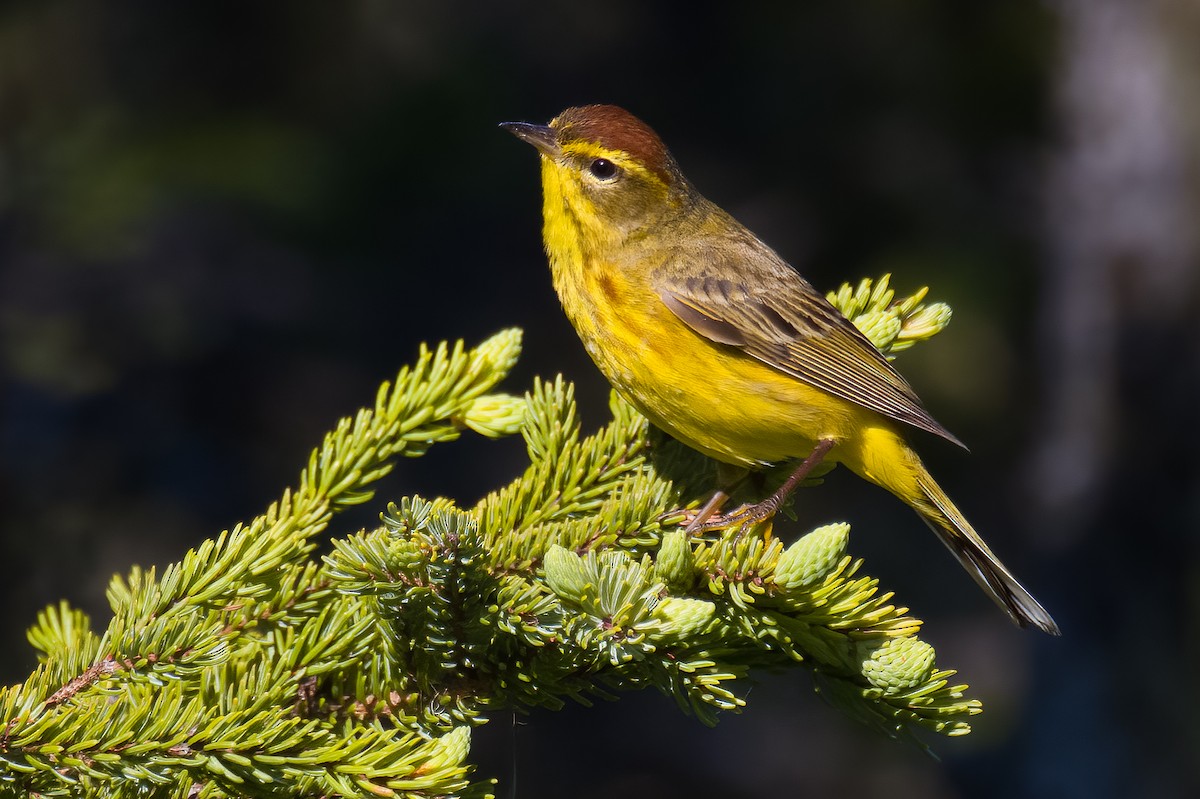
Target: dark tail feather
<point x="979" y="561"/>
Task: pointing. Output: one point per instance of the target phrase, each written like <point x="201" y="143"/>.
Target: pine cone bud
<point x="495" y="415"/>
<point x="899" y="663"/>
<point x="675" y="566"/>
<point x="813" y="556"/>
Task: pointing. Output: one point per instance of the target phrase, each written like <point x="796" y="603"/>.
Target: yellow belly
<point x="710" y="396"/>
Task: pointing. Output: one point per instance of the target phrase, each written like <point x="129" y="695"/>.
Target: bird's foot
<point x="742" y="516"/>
<point x="709" y="517"/>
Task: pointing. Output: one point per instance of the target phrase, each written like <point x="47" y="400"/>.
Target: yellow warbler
<point x="722" y="344"/>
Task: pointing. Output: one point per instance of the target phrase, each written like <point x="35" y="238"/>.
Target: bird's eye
<point x="603" y="169"/>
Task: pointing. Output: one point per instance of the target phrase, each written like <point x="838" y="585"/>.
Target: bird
<point x="722" y="344"/>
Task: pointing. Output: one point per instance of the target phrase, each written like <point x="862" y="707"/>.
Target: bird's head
<point x="604" y="170"/>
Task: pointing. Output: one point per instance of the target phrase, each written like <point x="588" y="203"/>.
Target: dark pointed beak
<point x="544" y="138"/>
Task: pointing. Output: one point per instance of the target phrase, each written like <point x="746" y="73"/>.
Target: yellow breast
<point x="710" y="396"/>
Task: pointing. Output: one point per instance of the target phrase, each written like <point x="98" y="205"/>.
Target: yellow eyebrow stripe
<point x="586" y="151"/>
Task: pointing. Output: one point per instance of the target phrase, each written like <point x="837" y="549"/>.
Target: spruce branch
<point x="198" y="674"/>
<point x="252" y="667"/>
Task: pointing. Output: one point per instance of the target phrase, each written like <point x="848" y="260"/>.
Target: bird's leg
<point x="704" y="514"/>
<point x="729" y="477"/>
<point x="771" y="505"/>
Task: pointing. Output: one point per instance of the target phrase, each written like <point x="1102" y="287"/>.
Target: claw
<point x="708" y="518"/>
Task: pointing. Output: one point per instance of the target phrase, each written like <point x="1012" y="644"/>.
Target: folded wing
<point x="784" y="323"/>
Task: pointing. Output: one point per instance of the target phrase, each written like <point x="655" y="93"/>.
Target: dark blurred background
<point x="222" y="224"/>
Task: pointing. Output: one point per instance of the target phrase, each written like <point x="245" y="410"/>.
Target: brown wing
<point x="788" y="325"/>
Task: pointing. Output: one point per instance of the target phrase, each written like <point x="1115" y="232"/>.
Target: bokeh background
<point x="222" y="224"/>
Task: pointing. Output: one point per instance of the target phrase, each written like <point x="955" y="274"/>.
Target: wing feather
<point x="785" y="323"/>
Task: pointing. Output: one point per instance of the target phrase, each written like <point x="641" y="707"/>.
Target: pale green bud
<point x="926" y="322"/>
<point x="899" y="663"/>
<point x="881" y="327"/>
<point x="680" y="617"/>
<point x="812" y="557"/>
<point x="675" y="565"/>
<point x="566" y="573"/>
<point x="501" y="351"/>
<point x="449" y="750"/>
<point x="495" y="415"/>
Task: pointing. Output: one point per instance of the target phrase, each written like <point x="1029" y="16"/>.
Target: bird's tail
<point x="980" y="562"/>
<point x="886" y="460"/>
